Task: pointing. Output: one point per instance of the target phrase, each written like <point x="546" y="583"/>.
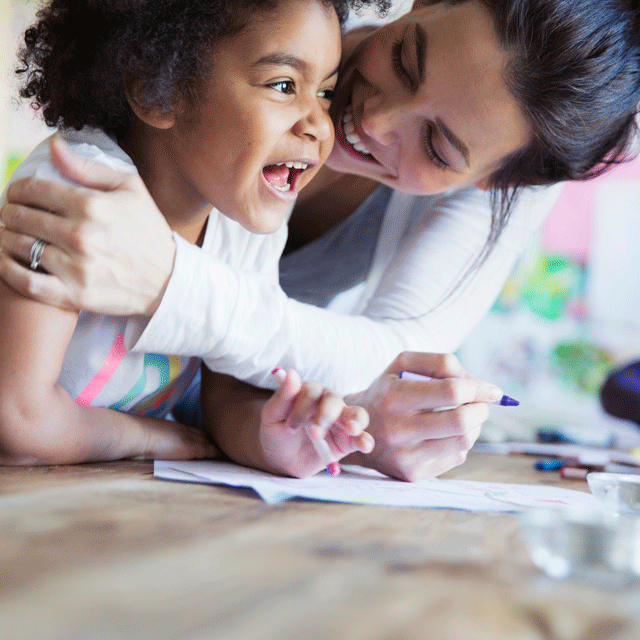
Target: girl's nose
<point x="315" y="122"/>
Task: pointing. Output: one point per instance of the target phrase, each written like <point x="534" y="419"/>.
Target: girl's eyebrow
<point x="288" y="60"/>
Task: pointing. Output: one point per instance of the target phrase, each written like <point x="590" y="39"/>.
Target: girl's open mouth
<point x="284" y="176"/>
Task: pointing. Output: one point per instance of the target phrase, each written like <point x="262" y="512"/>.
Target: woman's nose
<point x="381" y="119"/>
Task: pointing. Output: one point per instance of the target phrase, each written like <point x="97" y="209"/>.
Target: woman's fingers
<point x="418" y="466"/>
<point x="409" y="430"/>
<point x="18" y="246"/>
<point x="435" y="365"/>
<point x="401" y="396"/>
<point x="82" y="170"/>
<point x="25" y="220"/>
<point x="35" y="285"/>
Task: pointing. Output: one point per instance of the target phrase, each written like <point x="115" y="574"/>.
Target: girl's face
<point x="261" y="128"/>
<point x="422" y="104"/>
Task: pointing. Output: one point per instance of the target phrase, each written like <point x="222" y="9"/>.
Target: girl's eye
<point x="431" y="151"/>
<point x="327" y="94"/>
<point x="283" y="86"/>
<point x="398" y="66"/>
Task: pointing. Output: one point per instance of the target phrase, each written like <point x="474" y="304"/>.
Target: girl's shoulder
<point x="92" y="144"/>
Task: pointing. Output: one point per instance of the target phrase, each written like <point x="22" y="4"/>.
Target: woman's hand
<point x="414" y="442"/>
<point x="299" y="411"/>
<point x="110" y="249"/>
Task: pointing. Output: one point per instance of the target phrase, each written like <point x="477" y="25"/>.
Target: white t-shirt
<point x="98" y="369"/>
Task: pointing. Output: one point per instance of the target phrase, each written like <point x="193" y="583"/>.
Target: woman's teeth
<point x="350" y="132"/>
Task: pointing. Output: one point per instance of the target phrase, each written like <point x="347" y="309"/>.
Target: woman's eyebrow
<point x="421" y="50"/>
<point x="288" y="60"/>
<point x="460" y="146"/>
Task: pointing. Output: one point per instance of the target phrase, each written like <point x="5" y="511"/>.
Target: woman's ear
<point x="153" y="116"/>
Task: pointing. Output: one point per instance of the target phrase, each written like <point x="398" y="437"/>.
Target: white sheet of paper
<point x="362" y="486"/>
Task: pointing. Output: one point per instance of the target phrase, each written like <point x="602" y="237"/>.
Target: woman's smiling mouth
<point x="348" y="137"/>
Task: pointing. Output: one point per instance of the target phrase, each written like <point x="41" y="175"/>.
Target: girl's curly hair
<point x="77" y="54"/>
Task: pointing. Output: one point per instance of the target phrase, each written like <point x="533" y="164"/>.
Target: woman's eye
<point x="398" y="66"/>
<point x="431" y="150"/>
<point x="283" y="86"/>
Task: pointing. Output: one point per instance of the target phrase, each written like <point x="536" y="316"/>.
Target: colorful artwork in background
<point x="568" y="230"/>
<point x="570" y="312"/>
<point x="10" y="167"/>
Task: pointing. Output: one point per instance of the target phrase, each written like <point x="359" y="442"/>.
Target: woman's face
<point x="422" y="104"/>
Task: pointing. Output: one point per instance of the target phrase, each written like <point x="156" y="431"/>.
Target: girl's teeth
<point x="286" y="187"/>
<point x="350" y="132"/>
<point x="294" y="165"/>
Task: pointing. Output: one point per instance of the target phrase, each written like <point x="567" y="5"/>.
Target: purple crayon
<point x="505" y="401"/>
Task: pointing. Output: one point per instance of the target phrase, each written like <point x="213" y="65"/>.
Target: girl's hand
<point x="110" y="249"/>
<point x="298" y="411"/>
<point x="414" y="442"/>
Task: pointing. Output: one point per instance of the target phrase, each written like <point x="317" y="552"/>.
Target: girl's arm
<point x="41" y="424"/>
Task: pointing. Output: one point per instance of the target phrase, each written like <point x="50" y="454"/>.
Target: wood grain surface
<point x="106" y="551"/>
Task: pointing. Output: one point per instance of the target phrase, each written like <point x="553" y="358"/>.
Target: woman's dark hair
<point x="574" y="68"/>
<point x="78" y="52"/>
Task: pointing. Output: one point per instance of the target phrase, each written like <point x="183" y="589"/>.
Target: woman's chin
<point x="344" y="161"/>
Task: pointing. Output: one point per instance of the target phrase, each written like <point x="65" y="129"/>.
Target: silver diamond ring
<point x="35" y="255"/>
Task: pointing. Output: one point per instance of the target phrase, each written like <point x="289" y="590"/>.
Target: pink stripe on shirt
<point x="110" y="364"/>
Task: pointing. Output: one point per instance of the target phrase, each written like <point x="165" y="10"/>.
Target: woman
<point x="451" y="99"/>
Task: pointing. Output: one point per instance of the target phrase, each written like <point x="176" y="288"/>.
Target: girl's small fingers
<point x="354" y="420"/>
<point x="364" y="442"/>
<point x="329" y="410"/>
<point x="343" y="444"/>
<point x="279" y="406"/>
<point x="315" y="408"/>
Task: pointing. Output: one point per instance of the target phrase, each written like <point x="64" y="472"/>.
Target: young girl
<point x="219" y="104"/>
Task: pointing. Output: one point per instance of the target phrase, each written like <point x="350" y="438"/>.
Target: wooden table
<point x="106" y="551"/>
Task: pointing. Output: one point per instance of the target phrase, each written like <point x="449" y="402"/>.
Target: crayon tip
<point x="334" y="469"/>
<point x="506" y="401"/>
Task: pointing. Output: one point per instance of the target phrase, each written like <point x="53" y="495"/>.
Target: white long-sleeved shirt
<point x="243" y="324"/>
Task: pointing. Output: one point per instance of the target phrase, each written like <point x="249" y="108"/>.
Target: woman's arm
<point x="243" y="326"/>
